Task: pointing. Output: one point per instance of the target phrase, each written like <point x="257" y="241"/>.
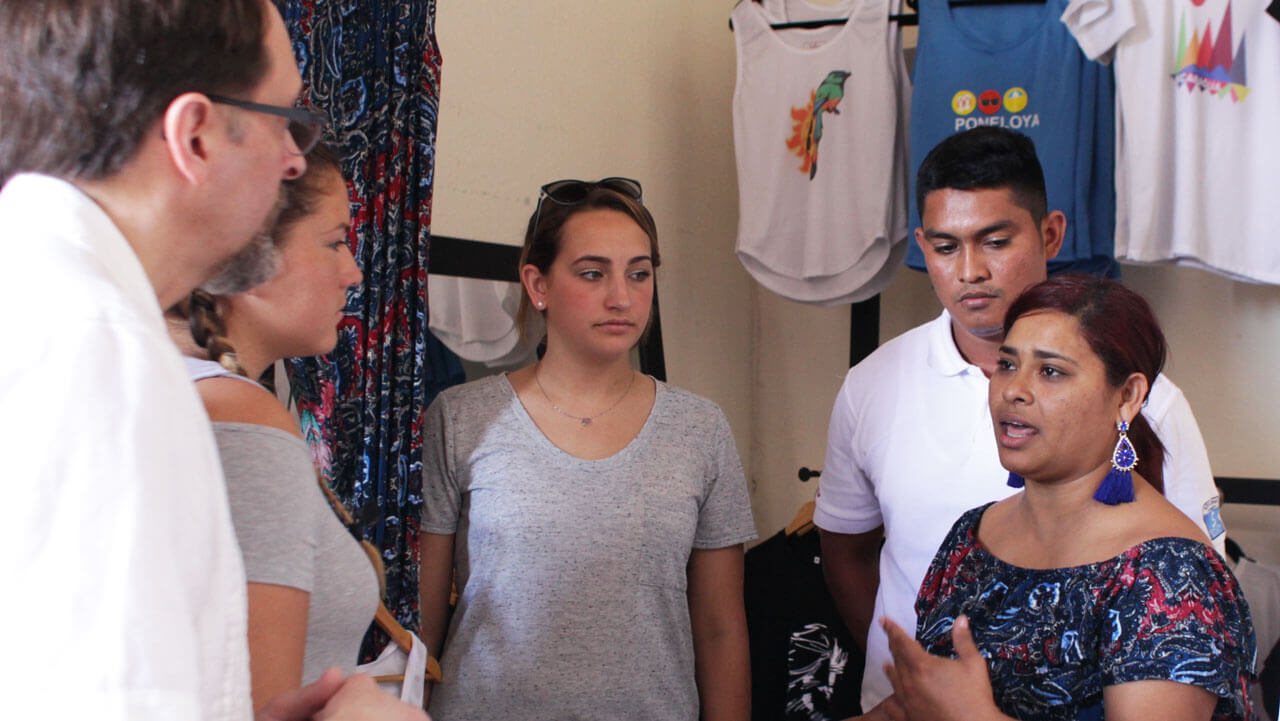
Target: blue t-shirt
<point x="1018" y="67"/>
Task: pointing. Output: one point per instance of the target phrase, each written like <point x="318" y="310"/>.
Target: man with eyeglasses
<point x="142" y="144"/>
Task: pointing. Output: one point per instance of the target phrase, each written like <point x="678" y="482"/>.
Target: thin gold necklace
<point x="583" y="421"/>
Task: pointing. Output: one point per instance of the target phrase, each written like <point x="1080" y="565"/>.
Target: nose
<point x="619" y="297"/>
<point x="1013" y="387"/>
<point x="973" y="265"/>
<point x="351" y="275"/>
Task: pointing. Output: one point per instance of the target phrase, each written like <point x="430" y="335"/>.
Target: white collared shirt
<point x="125" y="592"/>
<point x="911" y="446"/>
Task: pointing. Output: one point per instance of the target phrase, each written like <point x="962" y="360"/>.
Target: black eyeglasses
<point x="305" y="125"/>
<point x="573" y="192"/>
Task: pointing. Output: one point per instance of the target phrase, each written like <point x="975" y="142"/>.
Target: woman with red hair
<point x="1087" y="595"/>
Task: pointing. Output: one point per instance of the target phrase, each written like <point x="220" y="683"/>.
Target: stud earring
<point x="540" y="304"/>
<point x="1117" y="486"/>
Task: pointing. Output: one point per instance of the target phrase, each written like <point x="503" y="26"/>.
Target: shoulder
<point x="1161" y="518"/>
<point x="1175" y="566"/>
<point x="266" y="469"/>
<point x="954" y="553"/>
<point x="899" y="368"/>
<point x="483" y="391"/>
<point x="692" y="413"/>
<point x="964" y="532"/>
<point x="1186" y="583"/>
<point x="231" y="400"/>
<point x="906" y="355"/>
<point x="909" y="347"/>
<point x="1176" y="613"/>
<point x="687" y="401"/>
<point x="474" y="413"/>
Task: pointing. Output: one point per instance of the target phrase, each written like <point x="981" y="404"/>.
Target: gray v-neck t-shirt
<point x="572" y="573"/>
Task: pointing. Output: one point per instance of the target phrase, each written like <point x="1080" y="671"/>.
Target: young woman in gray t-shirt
<point x="594" y="515"/>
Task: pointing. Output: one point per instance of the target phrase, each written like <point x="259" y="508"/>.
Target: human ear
<point x="1133" y="393"/>
<point x="1052" y="229"/>
<point x="186" y="125"/>
<point x="535" y="285"/>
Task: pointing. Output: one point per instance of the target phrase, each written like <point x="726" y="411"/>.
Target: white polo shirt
<point x="911" y="446"/>
<point x="125" y="593"/>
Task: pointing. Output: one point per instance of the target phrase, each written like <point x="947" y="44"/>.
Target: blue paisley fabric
<point x="374" y="67"/>
<point x="1166" y="609"/>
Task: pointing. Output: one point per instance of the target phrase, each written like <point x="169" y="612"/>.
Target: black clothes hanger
<point x="903" y="20"/>
<point x="1234" y="552"/>
<point x="960" y="3"/>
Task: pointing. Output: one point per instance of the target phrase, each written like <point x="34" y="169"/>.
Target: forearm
<point x="857" y="600"/>
<point x="277" y="636"/>
<point x="435" y="582"/>
<point x="718" y="622"/>
<point x="851" y="567"/>
<point x="723" y="670"/>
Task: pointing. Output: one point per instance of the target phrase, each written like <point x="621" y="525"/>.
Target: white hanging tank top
<point x="819" y="134"/>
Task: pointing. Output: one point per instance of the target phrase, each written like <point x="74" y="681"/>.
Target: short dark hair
<point x="1122" y="331"/>
<point x="82" y="81"/>
<point x="984" y="158"/>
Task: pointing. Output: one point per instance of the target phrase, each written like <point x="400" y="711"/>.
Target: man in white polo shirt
<point x="911" y="446"/>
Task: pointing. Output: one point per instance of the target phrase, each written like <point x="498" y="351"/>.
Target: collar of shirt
<point x="944" y="356"/>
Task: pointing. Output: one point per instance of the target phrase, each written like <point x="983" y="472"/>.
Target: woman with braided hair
<point x="312" y="591"/>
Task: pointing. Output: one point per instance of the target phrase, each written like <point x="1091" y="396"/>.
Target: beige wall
<point x="571" y="88"/>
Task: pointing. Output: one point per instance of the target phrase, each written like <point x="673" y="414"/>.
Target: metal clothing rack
<point x="495" y="261"/>
<point x="903" y="19"/>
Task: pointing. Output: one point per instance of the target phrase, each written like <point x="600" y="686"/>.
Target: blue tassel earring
<point x="1117" y="486"/>
<point x="1016" y="481"/>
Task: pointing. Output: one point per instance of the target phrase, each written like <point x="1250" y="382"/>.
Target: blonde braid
<point x="209" y="331"/>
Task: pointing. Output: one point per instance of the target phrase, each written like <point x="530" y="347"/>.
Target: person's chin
<point x="987" y="333"/>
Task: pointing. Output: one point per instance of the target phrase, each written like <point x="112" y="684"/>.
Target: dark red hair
<point x="1122" y="330"/>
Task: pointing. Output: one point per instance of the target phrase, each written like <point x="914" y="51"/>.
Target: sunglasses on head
<point x="305" y="125"/>
<point x="574" y="192"/>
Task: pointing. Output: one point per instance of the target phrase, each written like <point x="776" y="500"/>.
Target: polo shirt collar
<point x="944" y="356"/>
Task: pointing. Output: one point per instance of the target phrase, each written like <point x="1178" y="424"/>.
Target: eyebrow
<point x="986" y="230"/>
<point x="1040" y="354"/>
<point x="607" y="261"/>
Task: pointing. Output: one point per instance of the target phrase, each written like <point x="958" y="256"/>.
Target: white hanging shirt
<point x="1197" y="111"/>
<point x="820" y="151"/>
<point x="476" y="319"/>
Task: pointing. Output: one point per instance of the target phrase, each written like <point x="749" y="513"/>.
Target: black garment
<point x="804" y="664"/>
<point x="1269" y="677"/>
